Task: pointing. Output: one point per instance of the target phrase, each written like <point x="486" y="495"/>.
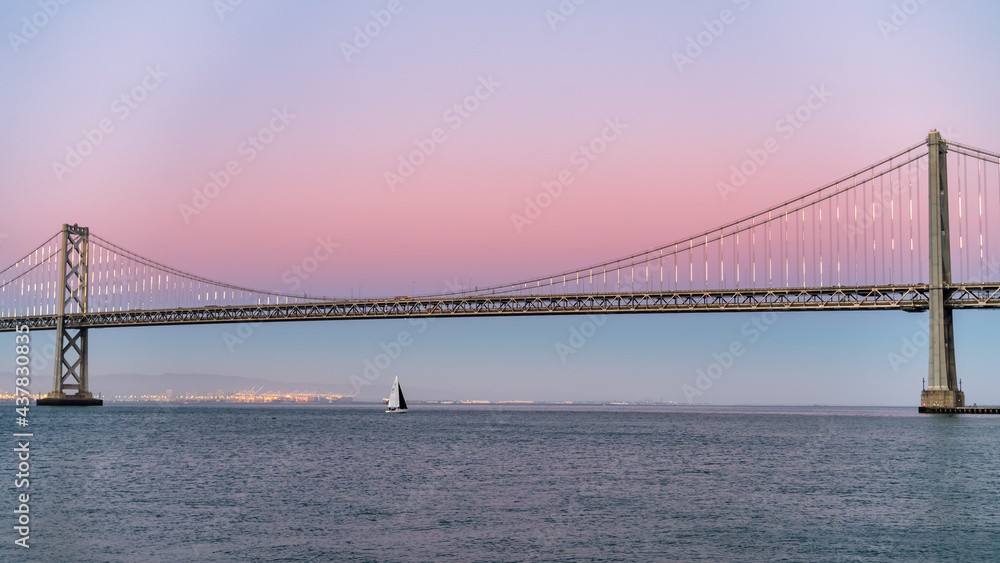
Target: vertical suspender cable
<point x="835" y="237"/>
<point x="919" y="224"/>
<point x="706" y="260"/>
<point x="857" y="235"/>
<point x="802" y="245"/>
<point x="784" y="247"/>
<point x="914" y="278"/>
<point x="769" y="250"/>
<point x="691" y="264"/>
<point x="961" y="219"/>
<point x="819" y="230"/>
<point x="982" y="225"/>
<point x="722" y="258"/>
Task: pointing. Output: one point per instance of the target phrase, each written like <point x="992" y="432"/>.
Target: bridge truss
<point x="913" y="298"/>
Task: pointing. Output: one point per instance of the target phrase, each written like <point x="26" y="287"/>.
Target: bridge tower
<point x="942" y="379"/>
<point x="70" y="370"/>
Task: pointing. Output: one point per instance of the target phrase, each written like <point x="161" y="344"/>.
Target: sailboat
<point x="396" y="401"/>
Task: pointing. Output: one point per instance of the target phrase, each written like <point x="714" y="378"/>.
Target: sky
<point x="411" y="136"/>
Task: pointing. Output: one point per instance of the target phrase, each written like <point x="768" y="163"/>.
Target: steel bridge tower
<point x="942" y="378"/>
<point x="70" y="370"/>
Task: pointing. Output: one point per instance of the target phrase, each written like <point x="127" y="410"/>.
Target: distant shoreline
<point x="509" y="405"/>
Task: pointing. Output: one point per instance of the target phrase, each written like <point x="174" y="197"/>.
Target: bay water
<point x="507" y="483"/>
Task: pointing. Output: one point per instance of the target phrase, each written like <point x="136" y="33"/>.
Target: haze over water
<point x="293" y="483"/>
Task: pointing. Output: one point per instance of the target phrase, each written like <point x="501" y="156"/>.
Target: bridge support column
<point x="942" y="379"/>
<point x="70" y="372"/>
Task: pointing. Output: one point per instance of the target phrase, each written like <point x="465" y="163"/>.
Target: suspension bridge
<point x="879" y="238"/>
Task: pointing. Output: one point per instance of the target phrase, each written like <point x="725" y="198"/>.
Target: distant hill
<point x="201" y="383"/>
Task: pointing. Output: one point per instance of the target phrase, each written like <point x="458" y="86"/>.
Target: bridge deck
<point x="903" y="297"/>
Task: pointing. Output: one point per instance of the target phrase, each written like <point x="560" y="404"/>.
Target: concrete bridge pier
<point x="942" y="379"/>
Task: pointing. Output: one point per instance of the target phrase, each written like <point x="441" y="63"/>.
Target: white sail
<point x="396" y="401"/>
<point x="394" y="395"/>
